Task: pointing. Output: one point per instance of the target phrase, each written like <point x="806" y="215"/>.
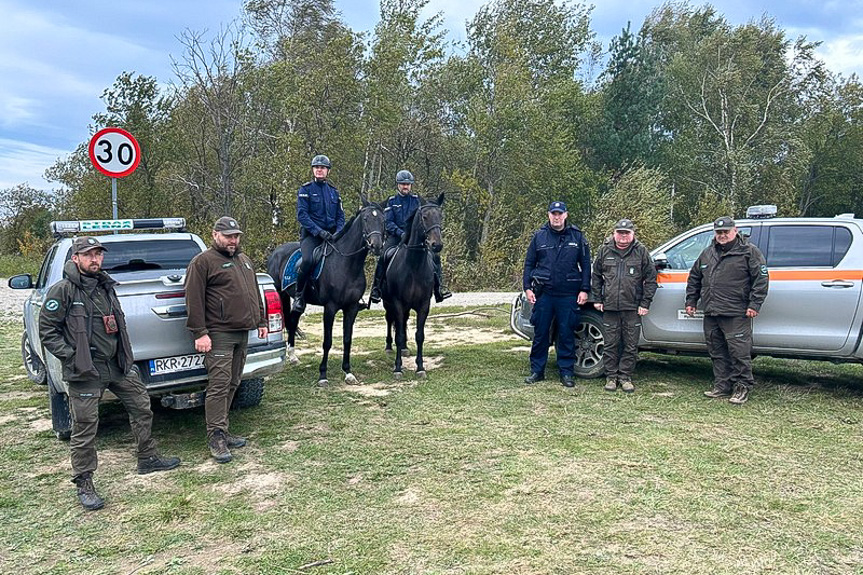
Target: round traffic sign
<point x="114" y="152"/>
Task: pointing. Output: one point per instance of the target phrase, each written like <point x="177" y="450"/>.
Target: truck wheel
<point x="249" y="393"/>
<point x="34" y="366"/>
<point x="589" y="345"/>
<point x="61" y="418"/>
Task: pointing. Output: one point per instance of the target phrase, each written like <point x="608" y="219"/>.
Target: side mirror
<point x="21" y="281"/>
<point x="661" y="261"/>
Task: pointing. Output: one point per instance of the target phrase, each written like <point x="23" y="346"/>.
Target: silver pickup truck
<point x="151" y="271"/>
<point x="813" y="310"/>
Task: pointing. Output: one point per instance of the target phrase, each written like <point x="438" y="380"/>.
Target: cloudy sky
<point x="58" y="56"/>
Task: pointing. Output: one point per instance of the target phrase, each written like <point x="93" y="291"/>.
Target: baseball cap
<point x="85" y="244"/>
<point x="227" y="225"/>
<point x="723" y="223"/>
<point x="624" y="224"/>
<point x="557" y="207"/>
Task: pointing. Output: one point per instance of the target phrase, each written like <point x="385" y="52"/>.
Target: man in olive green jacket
<point x="624" y="283"/>
<point x="83" y="325"/>
<point x="223" y="304"/>
<point x="731" y="280"/>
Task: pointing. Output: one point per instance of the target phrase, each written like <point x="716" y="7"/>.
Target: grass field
<point x="466" y="472"/>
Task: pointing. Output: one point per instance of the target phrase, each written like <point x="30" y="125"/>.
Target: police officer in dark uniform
<point x="399" y="212"/>
<point x="556" y="281"/>
<point x="82" y="324"/>
<point x="320" y="213"/>
<point x="730" y="278"/>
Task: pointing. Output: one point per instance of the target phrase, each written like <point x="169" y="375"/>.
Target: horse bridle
<point x="422" y="244"/>
<point x="367" y="237"/>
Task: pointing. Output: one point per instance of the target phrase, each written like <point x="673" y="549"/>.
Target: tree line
<point x="686" y="119"/>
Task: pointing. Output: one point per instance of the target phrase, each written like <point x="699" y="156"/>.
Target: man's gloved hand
<point x="325" y="235"/>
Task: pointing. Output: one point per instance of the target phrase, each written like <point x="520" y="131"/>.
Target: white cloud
<point x="23" y="162"/>
<point x="843" y="54"/>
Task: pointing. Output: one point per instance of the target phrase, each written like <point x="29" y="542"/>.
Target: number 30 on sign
<point x="115" y="152"/>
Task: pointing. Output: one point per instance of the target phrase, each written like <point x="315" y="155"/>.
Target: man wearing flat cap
<point x="556" y="281"/>
<point x="223" y="304"/>
<point x="623" y="283"/>
<point x="730" y="279"/>
<point x="82" y="324"/>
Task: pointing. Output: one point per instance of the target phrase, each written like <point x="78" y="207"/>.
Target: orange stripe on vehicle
<point x="780" y="275"/>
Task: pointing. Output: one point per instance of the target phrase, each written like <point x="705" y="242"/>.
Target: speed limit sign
<point x="115" y="152"/>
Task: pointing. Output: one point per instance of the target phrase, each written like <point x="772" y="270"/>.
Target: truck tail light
<point x="273" y="310"/>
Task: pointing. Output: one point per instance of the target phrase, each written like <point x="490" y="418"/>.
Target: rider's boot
<point x="299" y="301"/>
<point x="440" y="291"/>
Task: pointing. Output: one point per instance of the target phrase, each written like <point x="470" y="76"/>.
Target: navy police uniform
<point x="557" y="268"/>
<point x="320" y="213"/>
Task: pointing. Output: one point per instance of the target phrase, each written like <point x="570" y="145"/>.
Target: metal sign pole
<point x="114" y="199"/>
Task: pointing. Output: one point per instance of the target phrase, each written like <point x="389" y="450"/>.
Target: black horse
<point x="409" y="280"/>
<point x="341" y="283"/>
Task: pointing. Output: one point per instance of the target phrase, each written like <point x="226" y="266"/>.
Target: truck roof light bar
<point x="60" y="228"/>
<point x="761" y="212"/>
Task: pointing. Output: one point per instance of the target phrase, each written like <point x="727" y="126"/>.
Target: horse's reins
<point x="366" y="238"/>
<point x="422" y="244"/>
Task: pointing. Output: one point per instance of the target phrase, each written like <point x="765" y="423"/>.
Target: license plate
<point x="176" y="364"/>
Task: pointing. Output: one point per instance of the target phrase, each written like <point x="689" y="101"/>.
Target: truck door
<point x="815" y="287"/>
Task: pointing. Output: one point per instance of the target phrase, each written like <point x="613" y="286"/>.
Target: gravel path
<point x="12" y="300"/>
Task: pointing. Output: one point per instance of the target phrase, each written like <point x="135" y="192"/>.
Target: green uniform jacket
<point x="67" y="321"/>
<point x="623" y="280"/>
<point x="222" y="294"/>
<point x="728" y="282"/>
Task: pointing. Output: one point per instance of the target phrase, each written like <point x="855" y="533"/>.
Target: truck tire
<point x="249" y="393"/>
<point x="589" y="345"/>
<point x="61" y="417"/>
<point x="34" y="366"/>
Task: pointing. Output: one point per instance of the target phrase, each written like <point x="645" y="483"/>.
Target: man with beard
<point x="83" y="325"/>
<point x="624" y="283"/>
<point x="223" y="303"/>
<point x="556" y="281"/>
<point x="730" y="278"/>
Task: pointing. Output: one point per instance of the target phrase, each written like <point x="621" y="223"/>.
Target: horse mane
<point x="410" y="222"/>
<point x="346" y="227"/>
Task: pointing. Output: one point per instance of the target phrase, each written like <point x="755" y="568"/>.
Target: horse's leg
<point x="403" y="346"/>
<point x="422" y="314"/>
<point x="349" y="315"/>
<point x="329" y="317"/>
<point x="389" y="315"/>
<point x="291" y="324"/>
<point x="399" y="322"/>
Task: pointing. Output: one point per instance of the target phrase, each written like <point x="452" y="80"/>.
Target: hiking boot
<point x="567" y="380"/>
<point x="626" y="385"/>
<point x="234" y="441"/>
<point x="218" y="445"/>
<point x="533" y="378"/>
<point x="441" y="293"/>
<point x="741" y="394"/>
<point x="718" y="392"/>
<point x="375" y="296"/>
<point x="299" y="304"/>
<point x="90" y="500"/>
<point x="157" y="463"/>
<point x="610" y="384"/>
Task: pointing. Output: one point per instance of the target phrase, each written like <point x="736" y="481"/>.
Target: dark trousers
<point x="307" y="246"/>
<point x="729" y="343"/>
<point x="547" y="309"/>
<point x="84" y="400"/>
<point x="393" y="241"/>
<point x="225" y="362"/>
<point x="622" y="329"/>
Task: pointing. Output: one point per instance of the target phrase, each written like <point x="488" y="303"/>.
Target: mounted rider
<point x="320" y="213"/>
<point x="400" y="209"/>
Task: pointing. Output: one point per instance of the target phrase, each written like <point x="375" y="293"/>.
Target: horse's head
<point x="430" y="215"/>
<point x="373" y="224"/>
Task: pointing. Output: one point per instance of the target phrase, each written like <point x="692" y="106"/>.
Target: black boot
<point x="157" y="463"/>
<point x="299" y="301"/>
<point x="375" y="296"/>
<point x="90" y="500"/>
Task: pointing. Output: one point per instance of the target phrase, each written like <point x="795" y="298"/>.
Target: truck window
<point x="683" y="255"/>
<point x="807" y="246"/>
<point x="149" y="255"/>
<point x="46" y="264"/>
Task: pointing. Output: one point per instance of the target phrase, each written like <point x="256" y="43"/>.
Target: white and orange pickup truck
<point x="813" y="309"/>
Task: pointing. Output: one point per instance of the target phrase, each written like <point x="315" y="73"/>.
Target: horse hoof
<point x="421" y="374"/>
<point x="292" y="356"/>
<point x="323" y="382"/>
<point x="389" y="351"/>
<point x="350" y="379"/>
<point x="397" y="375"/>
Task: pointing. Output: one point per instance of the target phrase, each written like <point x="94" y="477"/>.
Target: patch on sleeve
<point x="52" y="305"/>
<point x="763" y="270"/>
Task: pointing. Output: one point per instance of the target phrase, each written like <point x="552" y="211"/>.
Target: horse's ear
<point x="364" y="200"/>
<point x="440" y="199"/>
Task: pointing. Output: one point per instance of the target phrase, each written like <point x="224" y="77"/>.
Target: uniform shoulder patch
<point x="764" y="270"/>
<point x="52" y="305"/>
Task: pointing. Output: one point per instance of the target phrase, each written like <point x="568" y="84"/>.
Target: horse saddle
<point x="292" y="266"/>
